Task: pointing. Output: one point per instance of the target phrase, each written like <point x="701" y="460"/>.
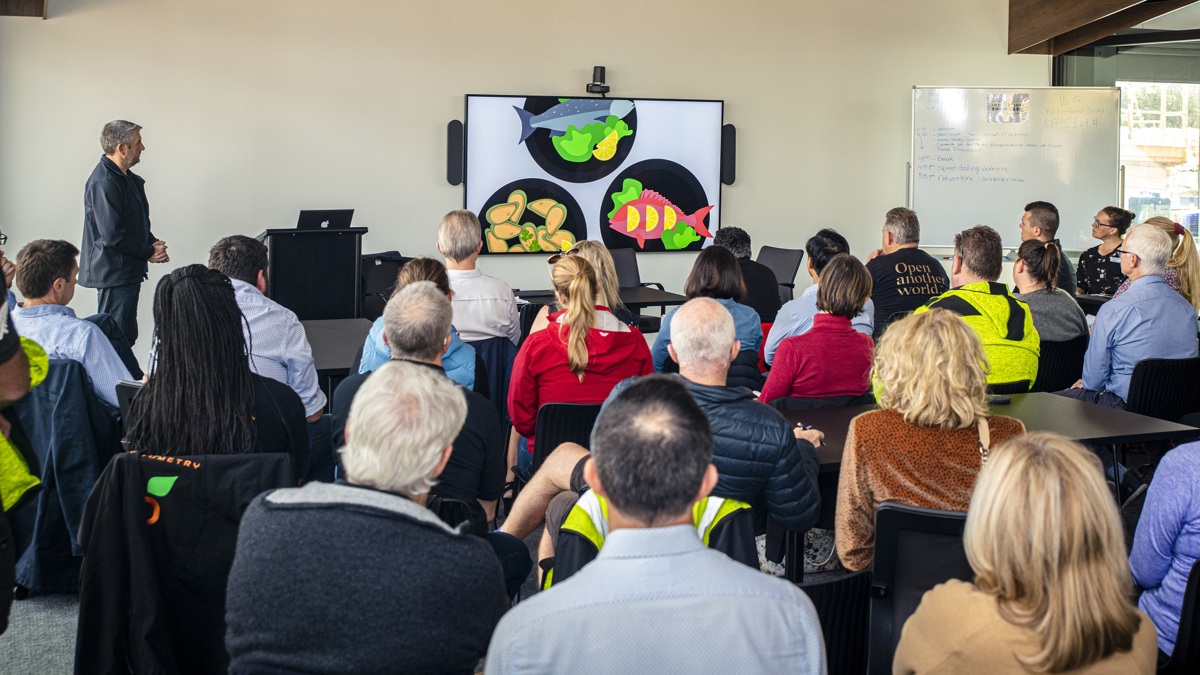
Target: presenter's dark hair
<point x="1045" y="216"/>
<point x="845" y="286"/>
<point x="239" y="257"/>
<point x="1118" y="218"/>
<point x="981" y="250"/>
<point x="200" y="398"/>
<point x="1041" y="260"/>
<point x="715" y="274"/>
<point x="652" y="445"/>
<point x="42" y="262"/>
<point x="823" y="245"/>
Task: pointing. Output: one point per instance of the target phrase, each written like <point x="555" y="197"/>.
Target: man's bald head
<point x="703" y="336"/>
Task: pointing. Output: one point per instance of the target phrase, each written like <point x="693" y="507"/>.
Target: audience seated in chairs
<point x="579" y="358"/>
<point x="904" y="277"/>
<point x="459" y="359"/>
<point x="761" y="459"/>
<point x="607" y="291"/>
<point x="1149" y="321"/>
<point x="1182" y="269"/>
<point x="652" y="468"/>
<point x="1056" y="315"/>
<point x="202" y="397"/>
<point x="1167" y="542"/>
<point x="277" y="343"/>
<point x="832" y="359"/>
<point x="1052" y="585"/>
<point x="484" y="306"/>
<point x="796" y="316"/>
<point x="46" y="275"/>
<point x="417" y="328"/>
<point x="1003" y="323"/>
<point x="360" y="576"/>
<point x="926" y="444"/>
<point x="762" y="287"/>
<point x="716" y="275"/>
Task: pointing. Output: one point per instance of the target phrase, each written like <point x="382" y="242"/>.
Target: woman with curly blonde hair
<point x="926" y="444"/>
<point x="1052" y="583"/>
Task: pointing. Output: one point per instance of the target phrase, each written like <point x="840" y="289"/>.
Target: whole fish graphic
<point x="647" y="216"/>
<point x="578" y="113"/>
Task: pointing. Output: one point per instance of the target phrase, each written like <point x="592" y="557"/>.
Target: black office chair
<point x="628" y="276"/>
<point x="1061" y="364"/>
<point x="785" y="263"/>
<point x="1002" y="388"/>
<point x="802" y="403"/>
<point x="379" y="280"/>
<point x="1165" y="388"/>
<point x="1185" y="658"/>
<point x="915" y="550"/>
<point x="456" y="512"/>
<point x="843" y="609"/>
<point x="528" y="312"/>
<point x="559" y="423"/>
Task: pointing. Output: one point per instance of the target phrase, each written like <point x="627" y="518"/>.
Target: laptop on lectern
<point x="328" y="219"/>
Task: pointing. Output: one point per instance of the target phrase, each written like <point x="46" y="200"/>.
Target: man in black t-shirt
<point x="762" y="288"/>
<point x="904" y="276"/>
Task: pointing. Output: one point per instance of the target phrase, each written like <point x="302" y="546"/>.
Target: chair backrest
<point x="785" y="263"/>
<point x="915" y="550"/>
<point x="801" y="403"/>
<point x="625" y="261"/>
<point x="1186" y="656"/>
<point x="527" y="313"/>
<point x="842" y="605"/>
<point x="379" y="279"/>
<point x="1165" y="388"/>
<point x="559" y="423"/>
<point x="160" y="535"/>
<point x="1018" y="387"/>
<point x="1061" y="364"/>
<point x="455" y="512"/>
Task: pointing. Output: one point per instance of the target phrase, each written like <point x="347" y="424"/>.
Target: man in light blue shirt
<point x="46" y="275"/>
<point x="277" y="342"/>
<point x="655" y="599"/>
<point x="796" y="316"/>
<point x="1148" y="321"/>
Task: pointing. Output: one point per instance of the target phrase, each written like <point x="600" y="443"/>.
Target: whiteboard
<point x="980" y="154"/>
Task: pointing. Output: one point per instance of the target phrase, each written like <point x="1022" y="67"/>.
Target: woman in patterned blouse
<point x="1099" y="270"/>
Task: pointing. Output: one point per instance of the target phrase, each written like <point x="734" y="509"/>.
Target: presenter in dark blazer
<point x="117" y="241"/>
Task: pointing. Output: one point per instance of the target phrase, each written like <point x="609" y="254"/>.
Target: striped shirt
<point x="65" y="336"/>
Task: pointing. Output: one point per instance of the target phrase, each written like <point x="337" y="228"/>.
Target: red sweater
<point x="831" y="359"/>
<point x="541" y="375"/>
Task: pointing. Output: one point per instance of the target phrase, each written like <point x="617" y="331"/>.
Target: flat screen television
<point x="544" y="172"/>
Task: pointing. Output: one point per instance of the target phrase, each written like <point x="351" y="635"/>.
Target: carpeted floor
<point x="41" y="636"/>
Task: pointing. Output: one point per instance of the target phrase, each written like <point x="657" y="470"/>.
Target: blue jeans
<point x="121" y="302"/>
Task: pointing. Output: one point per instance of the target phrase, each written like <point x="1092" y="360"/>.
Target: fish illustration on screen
<point x="647" y="216"/>
<point x="577" y="112"/>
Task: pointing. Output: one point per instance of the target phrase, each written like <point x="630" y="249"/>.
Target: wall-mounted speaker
<point x="728" y="154"/>
<point x="454" y="152"/>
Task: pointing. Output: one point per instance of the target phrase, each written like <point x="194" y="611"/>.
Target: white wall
<point x="253" y="110"/>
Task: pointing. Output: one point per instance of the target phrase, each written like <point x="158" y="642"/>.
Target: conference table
<point x="1077" y="420"/>
<point x="635" y="298"/>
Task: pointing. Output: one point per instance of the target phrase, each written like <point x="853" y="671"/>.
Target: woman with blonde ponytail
<point x="1052" y="583"/>
<point x="581" y="355"/>
<point x="1183" y="267"/>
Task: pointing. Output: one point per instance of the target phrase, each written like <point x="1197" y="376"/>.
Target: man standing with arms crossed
<point x="117" y="241"/>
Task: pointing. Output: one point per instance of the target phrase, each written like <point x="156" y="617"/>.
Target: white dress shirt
<point x="484" y="307"/>
<point x="278" y="346"/>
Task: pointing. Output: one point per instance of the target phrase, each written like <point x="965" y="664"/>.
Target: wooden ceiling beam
<point x="1058" y="26"/>
<point x="23" y="8"/>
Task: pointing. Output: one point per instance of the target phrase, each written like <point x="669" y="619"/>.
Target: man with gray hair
<point x="655" y="599"/>
<point x="117" y="241"/>
<point x="323" y="573"/>
<point x="904" y="276"/>
<point x="1148" y="321"/>
<point x="761" y="460"/>
<point x="484" y="307"/>
<point x="762" y="288"/>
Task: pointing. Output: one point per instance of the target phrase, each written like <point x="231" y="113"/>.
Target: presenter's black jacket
<point x="117" y="240"/>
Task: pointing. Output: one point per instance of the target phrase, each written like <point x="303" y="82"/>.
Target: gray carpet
<point x="41" y="636"/>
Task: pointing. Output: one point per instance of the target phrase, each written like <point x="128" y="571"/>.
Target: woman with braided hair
<point x="201" y="398"/>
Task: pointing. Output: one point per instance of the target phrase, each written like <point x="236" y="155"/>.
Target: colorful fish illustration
<point x="577" y="112"/>
<point x="647" y="216"/>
